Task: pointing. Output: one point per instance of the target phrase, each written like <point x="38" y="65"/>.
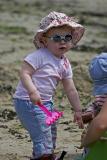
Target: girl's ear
<point x="43" y="40"/>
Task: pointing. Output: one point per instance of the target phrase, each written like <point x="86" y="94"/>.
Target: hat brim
<point x="77" y="33"/>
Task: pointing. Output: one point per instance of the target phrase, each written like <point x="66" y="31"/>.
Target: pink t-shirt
<point x="49" y="70"/>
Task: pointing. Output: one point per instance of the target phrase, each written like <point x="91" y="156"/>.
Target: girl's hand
<point x="35" y="97"/>
<point x="78" y="119"/>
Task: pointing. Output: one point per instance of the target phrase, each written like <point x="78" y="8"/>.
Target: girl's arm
<point x="26" y="78"/>
<point x="97" y="127"/>
<point x="72" y="94"/>
<point x="74" y="100"/>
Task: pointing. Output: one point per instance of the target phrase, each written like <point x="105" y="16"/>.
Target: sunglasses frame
<point x="61" y="37"/>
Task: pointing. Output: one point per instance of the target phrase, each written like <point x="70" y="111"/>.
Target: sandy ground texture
<point x="18" y="22"/>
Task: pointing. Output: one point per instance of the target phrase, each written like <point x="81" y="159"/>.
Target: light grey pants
<point x="33" y="119"/>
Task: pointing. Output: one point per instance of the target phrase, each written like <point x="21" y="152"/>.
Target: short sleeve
<point x="67" y="70"/>
<point x="34" y="59"/>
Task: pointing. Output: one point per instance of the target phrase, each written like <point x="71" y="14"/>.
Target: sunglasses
<point x="59" y="38"/>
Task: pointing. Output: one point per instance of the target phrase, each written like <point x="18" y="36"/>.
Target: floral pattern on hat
<point x="55" y="19"/>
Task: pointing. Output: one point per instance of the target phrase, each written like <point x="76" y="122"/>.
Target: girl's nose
<point x="62" y="41"/>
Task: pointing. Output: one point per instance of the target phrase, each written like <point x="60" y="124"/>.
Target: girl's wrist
<point x="77" y="110"/>
<point x="32" y="92"/>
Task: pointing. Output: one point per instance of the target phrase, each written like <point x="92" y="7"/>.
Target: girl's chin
<point x="59" y="55"/>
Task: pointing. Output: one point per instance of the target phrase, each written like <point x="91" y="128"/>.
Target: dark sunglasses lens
<point x="57" y="38"/>
<point x="68" y="38"/>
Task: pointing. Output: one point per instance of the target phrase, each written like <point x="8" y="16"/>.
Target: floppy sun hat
<point x="98" y="74"/>
<point x="56" y="19"/>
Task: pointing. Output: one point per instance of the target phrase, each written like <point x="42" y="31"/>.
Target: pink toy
<point x="51" y="116"/>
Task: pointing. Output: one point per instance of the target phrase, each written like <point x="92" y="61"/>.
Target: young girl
<point x="41" y="71"/>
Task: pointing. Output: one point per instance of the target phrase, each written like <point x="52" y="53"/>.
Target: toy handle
<point x="51" y="116"/>
<point x="44" y="109"/>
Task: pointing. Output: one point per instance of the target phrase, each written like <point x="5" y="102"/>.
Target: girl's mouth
<point x="62" y="48"/>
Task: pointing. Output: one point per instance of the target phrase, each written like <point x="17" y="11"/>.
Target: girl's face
<point x="59" y="40"/>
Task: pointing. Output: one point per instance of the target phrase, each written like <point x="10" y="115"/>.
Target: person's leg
<point x="54" y="134"/>
<point x="50" y="106"/>
<point x="33" y="119"/>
